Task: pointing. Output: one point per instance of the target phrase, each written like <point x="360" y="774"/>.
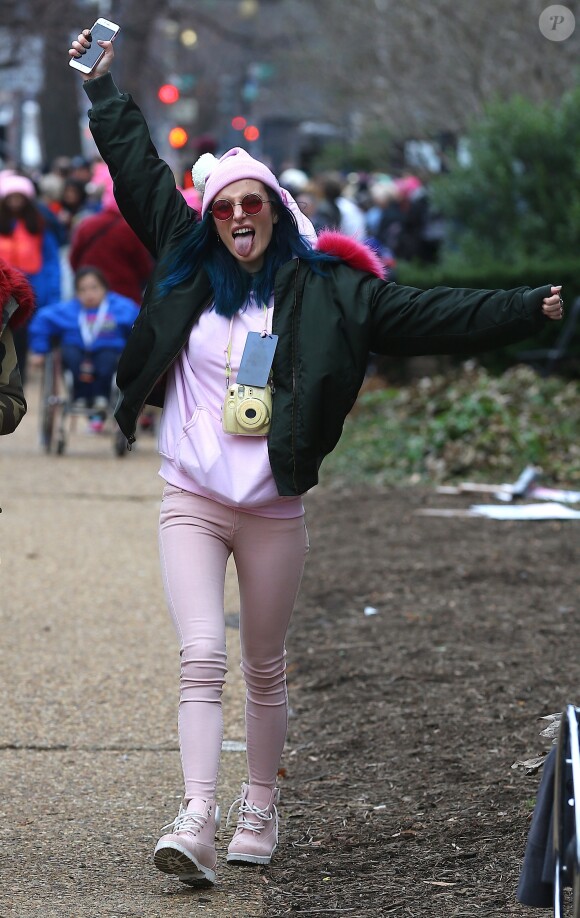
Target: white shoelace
<point x="186" y="822"/>
<point x="247" y="809"/>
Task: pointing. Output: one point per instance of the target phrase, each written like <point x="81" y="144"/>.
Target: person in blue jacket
<point x="92" y="330"/>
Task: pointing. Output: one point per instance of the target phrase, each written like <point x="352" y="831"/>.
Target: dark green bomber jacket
<point x="327" y="324"/>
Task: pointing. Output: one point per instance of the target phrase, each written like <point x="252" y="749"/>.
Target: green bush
<point x="468" y="424"/>
<point x="490" y="274"/>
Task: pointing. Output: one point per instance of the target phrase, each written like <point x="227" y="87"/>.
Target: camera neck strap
<point x="228" y="349"/>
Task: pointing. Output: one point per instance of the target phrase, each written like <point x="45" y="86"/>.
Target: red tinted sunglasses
<point x="251" y="205"/>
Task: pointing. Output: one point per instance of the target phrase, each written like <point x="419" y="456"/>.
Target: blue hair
<point x="232" y="286"/>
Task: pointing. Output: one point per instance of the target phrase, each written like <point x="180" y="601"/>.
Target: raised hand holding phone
<point x="92" y="53"/>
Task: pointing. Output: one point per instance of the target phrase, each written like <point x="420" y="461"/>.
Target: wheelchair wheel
<point x="566" y="838"/>
<point x="50" y="400"/>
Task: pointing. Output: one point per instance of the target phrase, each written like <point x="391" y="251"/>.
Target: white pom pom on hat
<point x="201" y="170"/>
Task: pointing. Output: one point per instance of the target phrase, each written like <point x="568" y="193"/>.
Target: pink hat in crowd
<point x="408" y="184"/>
<point x="108" y="201"/>
<point x="10" y="183"/>
<point x="210" y="175"/>
<point x="193" y="197"/>
<point x="101" y="181"/>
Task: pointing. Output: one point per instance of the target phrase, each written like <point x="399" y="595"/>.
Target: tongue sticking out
<point x="243" y="243"/>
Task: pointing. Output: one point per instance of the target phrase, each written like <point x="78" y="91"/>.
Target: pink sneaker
<point x="188" y="850"/>
<point x="256" y="835"/>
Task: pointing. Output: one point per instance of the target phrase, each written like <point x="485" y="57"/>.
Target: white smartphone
<point x="102" y="30"/>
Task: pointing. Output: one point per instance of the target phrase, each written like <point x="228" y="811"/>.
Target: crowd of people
<point x="393" y="213"/>
<point x="62" y="231"/>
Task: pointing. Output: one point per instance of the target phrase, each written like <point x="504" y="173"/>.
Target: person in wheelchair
<point x="91" y="331"/>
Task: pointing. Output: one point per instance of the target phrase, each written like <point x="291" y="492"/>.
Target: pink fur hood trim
<point x="354" y="253"/>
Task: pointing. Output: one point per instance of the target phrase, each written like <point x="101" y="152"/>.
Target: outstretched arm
<point x="450" y="320"/>
<point x="144" y="184"/>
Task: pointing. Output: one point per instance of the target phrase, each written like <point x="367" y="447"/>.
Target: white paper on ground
<point x="547" y="511"/>
<point x="567" y="497"/>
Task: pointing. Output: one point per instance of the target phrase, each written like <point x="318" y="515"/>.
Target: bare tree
<point x="417" y="68"/>
<point x="427" y="65"/>
<point x="59" y="100"/>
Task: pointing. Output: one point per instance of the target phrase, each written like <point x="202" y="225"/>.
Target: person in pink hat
<point x="254" y="337"/>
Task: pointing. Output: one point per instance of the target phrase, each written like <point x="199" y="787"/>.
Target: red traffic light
<point x="239" y="123"/>
<point x="168" y="93"/>
<point x="251" y="133"/>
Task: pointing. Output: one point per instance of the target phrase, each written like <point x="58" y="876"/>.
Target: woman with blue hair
<point x="254" y="336"/>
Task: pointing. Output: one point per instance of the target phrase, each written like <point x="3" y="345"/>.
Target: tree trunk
<point x="60" y="94"/>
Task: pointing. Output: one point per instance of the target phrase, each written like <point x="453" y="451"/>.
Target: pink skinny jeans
<point x="196" y="538"/>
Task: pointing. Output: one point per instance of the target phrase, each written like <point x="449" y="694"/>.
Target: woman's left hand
<point x="553" y="306"/>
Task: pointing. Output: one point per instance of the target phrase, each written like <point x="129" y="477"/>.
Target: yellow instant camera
<point x="247" y="410"/>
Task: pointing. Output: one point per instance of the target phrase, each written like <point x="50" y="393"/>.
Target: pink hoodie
<point x="196" y="453"/>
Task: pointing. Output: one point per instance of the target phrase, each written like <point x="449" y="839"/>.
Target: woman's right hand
<point x="83" y="42"/>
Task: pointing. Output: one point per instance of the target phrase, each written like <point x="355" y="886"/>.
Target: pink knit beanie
<point x="17" y="184"/>
<point x="234" y="165"/>
<point x="210" y="175"/>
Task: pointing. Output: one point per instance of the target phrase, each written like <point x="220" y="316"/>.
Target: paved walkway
<point x="89" y="763"/>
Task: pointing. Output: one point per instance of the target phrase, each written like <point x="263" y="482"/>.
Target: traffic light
<point x="168" y="93"/>
<point x="177" y="137"/>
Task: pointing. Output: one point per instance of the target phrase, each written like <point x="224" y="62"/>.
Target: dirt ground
<point x="399" y="796"/>
<point x="398" y="792"/>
